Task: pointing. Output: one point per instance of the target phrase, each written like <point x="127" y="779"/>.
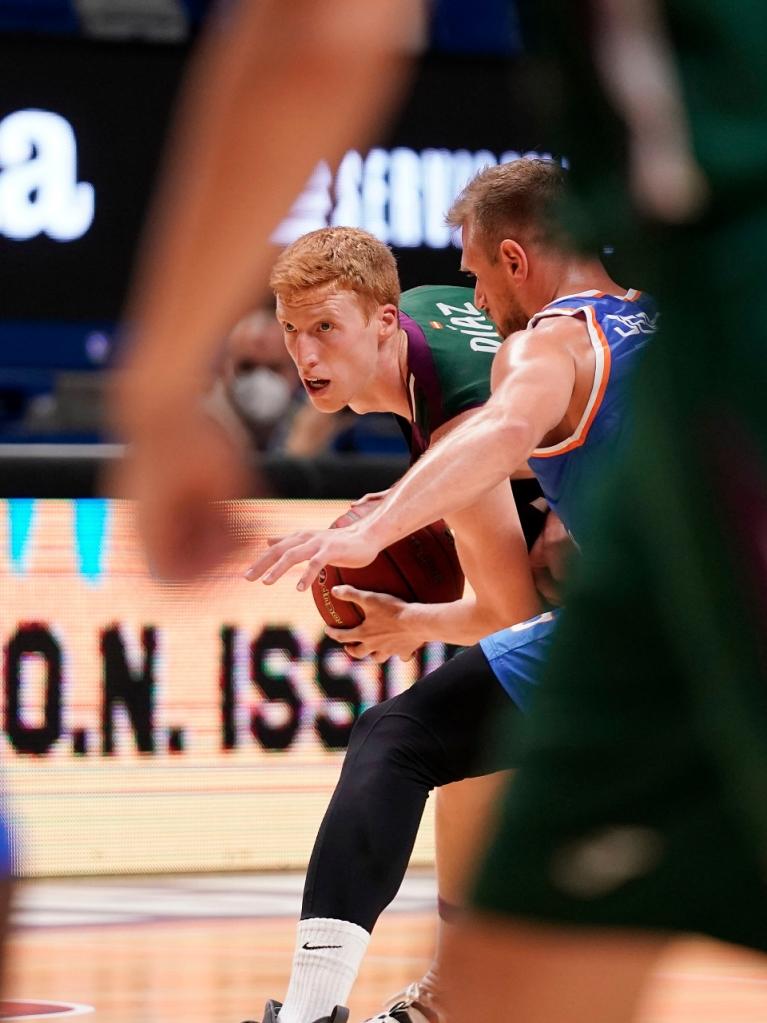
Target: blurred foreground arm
<point x="634" y="56"/>
<point x="275" y="88"/>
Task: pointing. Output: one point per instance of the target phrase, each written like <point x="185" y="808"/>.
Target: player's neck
<point x="582" y="275"/>
<point x="388" y="389"/>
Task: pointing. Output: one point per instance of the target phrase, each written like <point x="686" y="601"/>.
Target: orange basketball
<point x="422" y="567"/>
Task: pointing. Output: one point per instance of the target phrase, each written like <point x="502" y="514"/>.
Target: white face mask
<point x="261" y="395"/>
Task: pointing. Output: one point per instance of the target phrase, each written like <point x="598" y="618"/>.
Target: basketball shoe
<point x="272" y="1010"/>
<point x="416" y="1004"/>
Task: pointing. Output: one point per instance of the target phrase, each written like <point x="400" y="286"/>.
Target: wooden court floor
<point x="168" y="965"/>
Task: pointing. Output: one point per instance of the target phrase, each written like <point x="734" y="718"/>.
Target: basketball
<point x="422" y="567"/>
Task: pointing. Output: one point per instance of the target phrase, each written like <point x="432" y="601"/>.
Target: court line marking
<point x="72" y="1008"/>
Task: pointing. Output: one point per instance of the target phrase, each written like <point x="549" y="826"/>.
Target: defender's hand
<point x="349" y="547"/>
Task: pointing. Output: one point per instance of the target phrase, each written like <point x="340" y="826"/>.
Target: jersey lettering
<point x="474" y="322"/>
<point x="485" y="344"/>
<point x="636" y="323"/>
<point x="467" y="307"/>
<point x="469" y="320"/>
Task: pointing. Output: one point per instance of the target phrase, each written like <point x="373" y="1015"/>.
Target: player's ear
<point x="388" y="316"/>
<point x="514" y="258"/>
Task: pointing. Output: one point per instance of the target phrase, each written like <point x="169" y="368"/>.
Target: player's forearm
<point x="453" y="474"/>
<point x="461" y="622"/>
<point x="265" y="102"/>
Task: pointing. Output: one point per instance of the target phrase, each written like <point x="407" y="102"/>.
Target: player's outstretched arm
<point x="534" y="383"/>
<point x="358" y="544"/>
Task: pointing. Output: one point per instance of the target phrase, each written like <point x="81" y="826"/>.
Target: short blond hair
<point x="516" y="200"/>
<point x="351" y="259"/>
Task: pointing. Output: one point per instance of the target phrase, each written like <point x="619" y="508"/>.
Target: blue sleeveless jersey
<point x="619" y="328"/>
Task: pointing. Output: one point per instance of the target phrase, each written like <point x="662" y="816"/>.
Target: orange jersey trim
<point x="599" y="341"/>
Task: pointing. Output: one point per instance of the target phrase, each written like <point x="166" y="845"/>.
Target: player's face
<point x="495" y="289"/>
<point x="333" y="344"/>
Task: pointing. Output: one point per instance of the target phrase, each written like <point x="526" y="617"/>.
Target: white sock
<point x="325" y="965"/>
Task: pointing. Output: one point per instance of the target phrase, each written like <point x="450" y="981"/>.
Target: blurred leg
<point x="464" y="819"/>
<point x="498" y="970"/>
<point x="463" y="823"/>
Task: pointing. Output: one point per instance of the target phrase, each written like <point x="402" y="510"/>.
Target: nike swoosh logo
<point x="314" y="948"/>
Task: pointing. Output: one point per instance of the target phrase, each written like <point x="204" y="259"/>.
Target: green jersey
<point x="450" y="352"/>
<point x="641" y="798"/>
<point x="450" y="349"/>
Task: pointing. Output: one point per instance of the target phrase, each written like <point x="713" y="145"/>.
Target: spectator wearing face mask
<point x="258" y="398"/>
<point x="255" y="382"/>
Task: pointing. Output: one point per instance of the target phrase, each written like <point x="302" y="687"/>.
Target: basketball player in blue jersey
<point x="559" y="400"/>
<point x="426" y="356"/>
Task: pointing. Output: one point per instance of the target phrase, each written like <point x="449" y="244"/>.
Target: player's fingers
<point x="261" y="565"/>
<point x="313" y="568"/>
<point x="362" y="597"/>
<point x="288" y="557"/>
<point x="356" y="651"/>
<point x="343" y="635"/>
<point x="277" y="545"/>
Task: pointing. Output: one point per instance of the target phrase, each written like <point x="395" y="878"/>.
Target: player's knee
<point x="365" y="725"/>
<point x="386" y="742"/>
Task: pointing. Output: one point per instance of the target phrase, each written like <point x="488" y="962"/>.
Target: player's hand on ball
<point x="385" y="632"/>
<point x="348" y="547"/>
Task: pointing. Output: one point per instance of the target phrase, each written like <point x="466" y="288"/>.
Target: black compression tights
<point x="432" y="734"/>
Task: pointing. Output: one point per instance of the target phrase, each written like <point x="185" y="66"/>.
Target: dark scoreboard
<point x="82" y="126"/>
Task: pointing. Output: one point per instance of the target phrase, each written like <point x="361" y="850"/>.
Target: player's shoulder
<point x="549" y="341"/>
<point x="550" y="331"/>
<point x="554" y="328"/>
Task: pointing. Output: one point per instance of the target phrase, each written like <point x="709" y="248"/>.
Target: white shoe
<point x="416" y="1004"/>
